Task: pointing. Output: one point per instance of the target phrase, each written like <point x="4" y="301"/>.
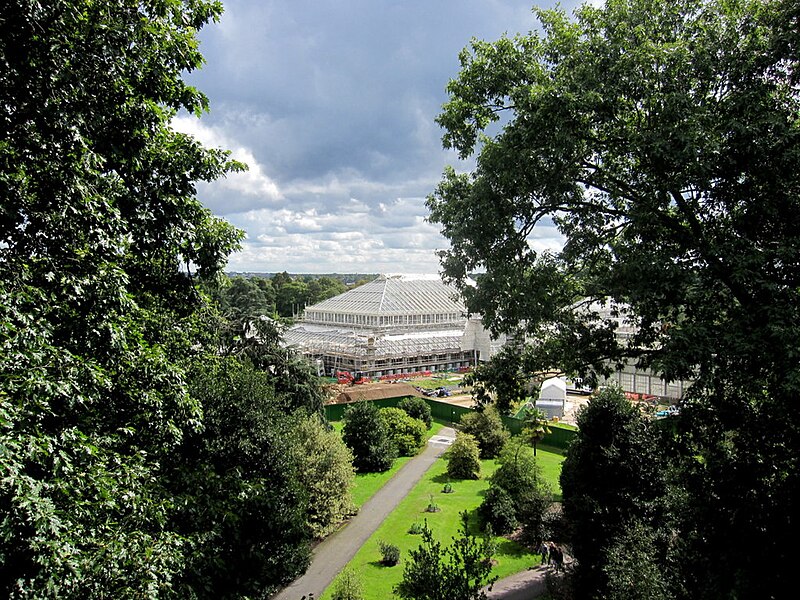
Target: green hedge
<point x="560" y="435"/>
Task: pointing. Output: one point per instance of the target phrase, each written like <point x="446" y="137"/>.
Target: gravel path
<point x="335" y="551"/>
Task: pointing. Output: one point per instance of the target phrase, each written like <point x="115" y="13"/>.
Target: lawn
<point x="467" y="495"/>
<point x="366" y="484"/>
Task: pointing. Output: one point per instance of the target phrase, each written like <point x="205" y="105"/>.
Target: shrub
<point x="488" y="430"/>
<point x="418" y="409"/>
<point x="390" y="554"/>
<point x="497" y="510"/>
<point x="348" y="586"/>
<point x="324" y="466"/>
<point x="415" y="529"/>
<point x="519" y="471"/>
<point x="365" y="433"/>
<point x="406" y="433"/>
<point x="463" y="461"/>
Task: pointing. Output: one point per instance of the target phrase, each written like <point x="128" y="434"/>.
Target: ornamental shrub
<point x="348" y="586"/>
<point x="366" y="434"/>
<point x="405" y="432"/>
<point x="463" y="460"/>
<point x="390" y="554"/>
<point x="497" y="510"/>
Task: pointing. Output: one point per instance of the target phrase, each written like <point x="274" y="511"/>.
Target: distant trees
<point x="282" y="295"/>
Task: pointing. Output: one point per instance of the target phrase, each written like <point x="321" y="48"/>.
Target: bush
<point x="533" y="514"/>
<point x="390" y="554"/>
<point x="497" y="510"/>
<point x="417" y="408"/>
<point x="365" y="433"/>
<point x="415" y="529"/>
<point x="462" y="458"/>
<point x="488" y="430"/>
<point x="519" y="471"/>
<point x="348" y="586"/>
<point x="324" y="466"/>
<point x="407" y="433"/>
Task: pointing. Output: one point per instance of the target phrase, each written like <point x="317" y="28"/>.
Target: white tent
<point x="552" y="397"/>
<point x="554" y="388"/>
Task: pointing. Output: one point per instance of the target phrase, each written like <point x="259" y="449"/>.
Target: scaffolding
<point x="394" y="324"/>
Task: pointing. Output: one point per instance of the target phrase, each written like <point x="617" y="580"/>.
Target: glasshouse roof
<point x="394" y="295"/>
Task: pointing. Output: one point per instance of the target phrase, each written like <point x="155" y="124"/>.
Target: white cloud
<point x="253" y="182"/>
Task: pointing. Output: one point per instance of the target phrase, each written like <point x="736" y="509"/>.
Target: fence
<point x="559" y="437"/>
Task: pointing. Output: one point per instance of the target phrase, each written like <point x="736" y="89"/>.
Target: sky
<point x="331" y="103"/>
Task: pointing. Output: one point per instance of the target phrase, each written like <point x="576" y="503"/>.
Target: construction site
<point x="394" y="325"/>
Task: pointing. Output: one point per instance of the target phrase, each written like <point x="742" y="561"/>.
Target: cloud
<point x="333" y="106"/>
<point x="253" y="183"/>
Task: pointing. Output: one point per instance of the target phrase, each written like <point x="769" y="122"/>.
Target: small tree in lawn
<point x="463" y="461"/>
<point x="366" y="435"/>
<point x="460" y="571"/>
<point x="348" y="586"/>
<point x="535" y="428"/>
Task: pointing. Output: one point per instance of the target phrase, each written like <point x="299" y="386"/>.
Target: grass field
<point x="467" y="495"/>
<point x="367" y="484"/>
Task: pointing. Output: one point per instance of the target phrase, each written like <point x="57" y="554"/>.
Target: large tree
<point x="662" y="141"/>
<point x="101" y="241"/>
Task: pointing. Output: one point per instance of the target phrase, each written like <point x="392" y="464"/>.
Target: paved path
<point x="520" y="586"/>
<point x="334" y="552"/>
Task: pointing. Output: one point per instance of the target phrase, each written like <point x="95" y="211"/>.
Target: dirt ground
<point x="573" y="403"/>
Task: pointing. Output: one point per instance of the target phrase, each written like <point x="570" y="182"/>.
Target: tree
<point x="519" y="479"/>
<point x="324" y="466"/>
<point x="660" y="140"/>
<point x="463" y="460"/>
<point x="102" y="240"/>
<point x="614" y="473"/>
<point x="498" y="510"/>
<point x="348" y="586"/>
<point x="322" y="288"/>
<point x="244" y="507"/>
<point x="419" y="409"/>
<point x="461" y="570"/>
<point x="367" y="436"/>
<point x="488" y="429"/>
<point x="535" y="428"/>
<point x="406" y="433"/>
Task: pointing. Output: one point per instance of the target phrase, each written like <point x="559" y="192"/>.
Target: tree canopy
<point x="661" y="142"/>
<point x="136" y="460"/>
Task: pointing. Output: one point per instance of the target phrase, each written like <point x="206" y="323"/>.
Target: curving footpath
<point x="331" y="555"/>
<point x="334" y="552"/>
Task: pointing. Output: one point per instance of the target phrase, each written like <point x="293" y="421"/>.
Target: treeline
<point x="280" y="296"/>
